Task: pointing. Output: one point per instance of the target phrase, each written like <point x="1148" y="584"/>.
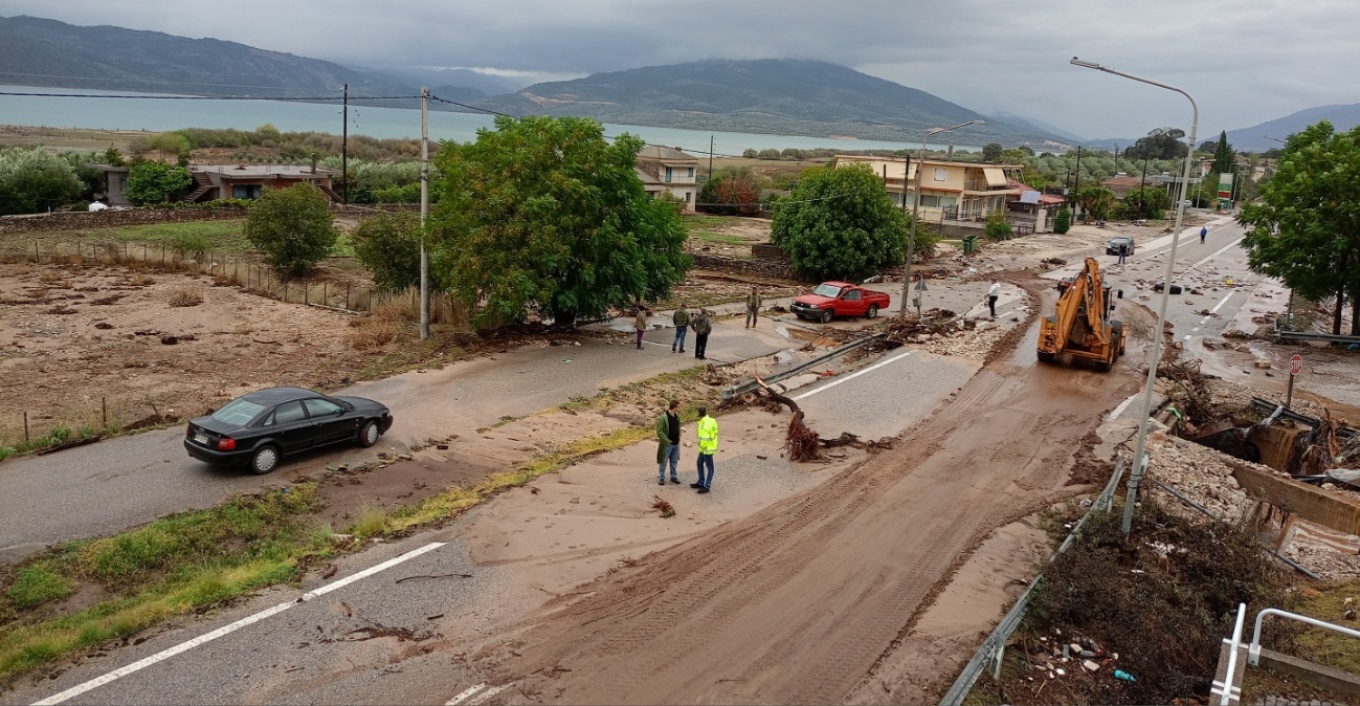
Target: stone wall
<point x="768" y="268"/>
<point x="79" y="220"/>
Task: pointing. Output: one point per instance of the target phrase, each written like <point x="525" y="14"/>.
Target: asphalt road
<point x="103" y="488"/>
<point x="311" y="653"/>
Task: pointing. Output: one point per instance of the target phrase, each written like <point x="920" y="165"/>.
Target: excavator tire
<point x="1105" y="366"/>
<point x="1046" y="357"/>
<point x="1117" y="337"/>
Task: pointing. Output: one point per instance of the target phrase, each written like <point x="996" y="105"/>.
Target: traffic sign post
<point x="1295" y="367"/>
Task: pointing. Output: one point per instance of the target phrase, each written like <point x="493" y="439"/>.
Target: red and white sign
<point x="1296" y="365"/>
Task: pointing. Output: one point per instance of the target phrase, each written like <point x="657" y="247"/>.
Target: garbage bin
<point x="970" y="244"/>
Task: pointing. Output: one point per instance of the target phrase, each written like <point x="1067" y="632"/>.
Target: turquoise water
<point x="152" y="114"/>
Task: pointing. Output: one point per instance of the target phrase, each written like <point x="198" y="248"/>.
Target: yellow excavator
<point x="1081" y="325"/>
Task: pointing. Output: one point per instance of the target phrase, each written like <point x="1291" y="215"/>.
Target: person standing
<point x="702" y="327"/>
<point x="668" y="442"/>
<point x="707" y="434"/>
<point x="1123" y="252"/>
<point x="993" y="293"/>
<point x="681" y="320"/>
<point x="752" y="308"/>
<point x="640" y="324"/>
<point x="1203" y="232"/>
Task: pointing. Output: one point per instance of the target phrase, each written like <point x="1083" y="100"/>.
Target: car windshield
<point x="238" y="411"/>
<point x="827" y="290"/>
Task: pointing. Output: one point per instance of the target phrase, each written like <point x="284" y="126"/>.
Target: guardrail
<point x="1254" y="652"/>
<point x="1271" y="407"/>
<point x="751" y="386"/>
<point x="1282" y="334"/>
<point x="993" y="648"/>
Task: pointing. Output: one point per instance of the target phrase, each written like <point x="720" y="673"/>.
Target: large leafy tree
<point x="544" y="214"/>
<point x="1305" y="227"/>
<point x="388" y="244"/>
<point x="731" y="191"/>
<point x="1148" y="202"/>
<point x="840" y="223"/>
<point x="293" y="227"/>
<point x="1096" y="200"/>
<point x="150" y="183"/>
<point x="1157" y="146"/>
<point x="34" y="180"/>
<point x="992" y="152"/>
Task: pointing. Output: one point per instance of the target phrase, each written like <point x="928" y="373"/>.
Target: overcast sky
<point x="1245" y="61"/>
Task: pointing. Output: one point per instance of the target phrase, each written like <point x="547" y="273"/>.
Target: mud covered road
<point x="797" y="603"/>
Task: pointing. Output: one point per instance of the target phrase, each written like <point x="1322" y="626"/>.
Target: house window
<point x="688" y="194"/>
<point x="245" y="191"/>
<point x="668" y="175"/>
<point x="930" y="200"/>
<point x="691" y="172"/>
<point x="941" y="174"/>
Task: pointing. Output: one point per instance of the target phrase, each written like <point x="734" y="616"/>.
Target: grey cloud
<point x="1244" y="60"/>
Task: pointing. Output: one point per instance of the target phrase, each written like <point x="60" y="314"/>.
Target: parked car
<point x="832" y="299"/>
<point x="260" y="428"/>
<point x="1112" y="247"/>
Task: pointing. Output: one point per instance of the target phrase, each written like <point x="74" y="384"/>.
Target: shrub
<point x="35" y="180"/>
<point x="1063" y="222"/>
<point x="150" y="183"/>
<point x="186" y="296"/>
<point x="389" y="246"/>
<point x="190" y="245"/>
<point x="293" y="227"/>
<point x="998" y="228"/>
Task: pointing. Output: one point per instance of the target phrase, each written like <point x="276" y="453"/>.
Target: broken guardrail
<point x="1283" y="334"/>
<point x="736" y="391"/>
<point x="1273" y="407"/>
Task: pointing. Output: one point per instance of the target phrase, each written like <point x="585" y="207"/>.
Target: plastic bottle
<point x="1123" y="675"/>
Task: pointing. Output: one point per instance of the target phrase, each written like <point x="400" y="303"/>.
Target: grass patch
<point x="665" y="385"/>
<point x="722" y="238"/>
<point x="695" y="223"/>
<point x="190" y="237"/>
<point x="37" y="584"/>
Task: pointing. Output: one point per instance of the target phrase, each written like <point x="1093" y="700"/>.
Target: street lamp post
<point x="1139" y="465"/>
<point x="1289" y="312"/>
<point x="916" y="209"/>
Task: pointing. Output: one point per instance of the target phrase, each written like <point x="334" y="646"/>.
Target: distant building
<point x="1122" y="185"/>
<point x="670" y="171"/>
<point x="1032" y="211"/>
<point x="960" y="191"/>
<point x="233" y="181"/>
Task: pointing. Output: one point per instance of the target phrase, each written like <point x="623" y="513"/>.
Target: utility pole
<point x="424" y="211"/>
<point x="1076" y="204"/>
<point x="1142" y="184"/>
<point x="911" y="237"/>
<point x="344" y="149"/>
<point x="710" y="156"/>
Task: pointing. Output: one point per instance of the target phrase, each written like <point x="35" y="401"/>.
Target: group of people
<point x="701" y="321"/>
<point x="668" y="446"/>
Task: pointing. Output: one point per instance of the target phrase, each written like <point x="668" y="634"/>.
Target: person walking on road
<point x="1203" y="232"/>
<point x="702" y="327"/>
<point x="993" y="293"/>
<point x="707" y="434"/>
<point x="681" y="320"/>
<point x="668" y="443"/>
<point x="640" y="324"/>
<point x="752" y="308"/>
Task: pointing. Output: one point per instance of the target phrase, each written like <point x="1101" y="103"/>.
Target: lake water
<point x="158" y="113"/>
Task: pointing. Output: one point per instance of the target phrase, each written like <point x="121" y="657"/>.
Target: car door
<point x="330" y="421"/>
<point x="290" y="426"/>
<point x="852" y="303"/>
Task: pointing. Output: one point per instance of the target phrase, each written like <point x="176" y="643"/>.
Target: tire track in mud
<point x="798" y="602"/>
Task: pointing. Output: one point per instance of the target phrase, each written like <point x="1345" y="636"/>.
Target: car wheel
<point x="368" y="434"/>
<point x="873" y="311"/>
<point x="827" y="316"/>
<point x="264" y="460"/>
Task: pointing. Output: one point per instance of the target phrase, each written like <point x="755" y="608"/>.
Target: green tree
<point x="992" y="151"/>
<point x="1158" y="146"/>
<point x="1096" y="201"/>
<point x="150" y="183"/>
<point x="1063" y="221"/>
<point x="389" y="246"/>
<point x="1148" y="202"/>
<point x="749" y="153"/>
<point x="1305" y="227"/>
<point x="1223" y="156"/>
<point x="731" y="191"/>
<point x="293" y="227"/>
<point x="998" y="228"/>
<point x="840" y="223"/>
<point x="544" y="214"/>
<point x="35" y="180"/>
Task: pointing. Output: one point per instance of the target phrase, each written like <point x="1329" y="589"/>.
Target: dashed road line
<point x="1221" y="302"/>
<point x="463" y="695"/>
<point x="1122" y="406"/>
<point x="1218" y="252"/>
<point x="854" y="375"/>
<point x="486" y="695"/>
<point x="233" y="627"/>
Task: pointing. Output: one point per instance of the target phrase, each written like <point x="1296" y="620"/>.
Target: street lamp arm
<point x="1093" y="65"/>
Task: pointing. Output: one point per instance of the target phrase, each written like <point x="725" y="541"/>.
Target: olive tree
<point x="293" y="227"/>
<point x="840" y="223"/>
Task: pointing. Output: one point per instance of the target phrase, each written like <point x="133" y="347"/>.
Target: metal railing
<point x="993" y="649"/>
<point x="1228" y="690"/>
<point x="1281" y="333"/>
<point x="1254" y="652"/>
<point x="751" y="386"/>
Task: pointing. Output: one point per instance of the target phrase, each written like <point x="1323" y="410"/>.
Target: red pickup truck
<point x="832" y="299"/>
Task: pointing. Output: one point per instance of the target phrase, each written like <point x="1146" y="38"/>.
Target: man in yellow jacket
<point x="707" y="434"/>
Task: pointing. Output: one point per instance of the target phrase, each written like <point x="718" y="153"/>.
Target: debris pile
<point x="943" y="332"/>
<point x="1198" y="473"/>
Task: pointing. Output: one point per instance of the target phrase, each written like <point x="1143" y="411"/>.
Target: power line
<point x="166" y="83"/>
<point x="303" y="99"/>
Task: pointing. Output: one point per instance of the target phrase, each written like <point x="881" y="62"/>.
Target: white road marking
<point x="1187" y="336"/>
<point x="1122" y="406"/>
<point x="1221" y="302"/>
<point x="854" y="375"/>
<point x="465" y="694"/>
<point x="1193" y="330"/>
<point x="488" y="694"/>
<point x="228" y="629"/>
<point x="1216" y="254"/>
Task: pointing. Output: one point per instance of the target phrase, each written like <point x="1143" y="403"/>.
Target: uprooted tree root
<point x="801" y="443"/>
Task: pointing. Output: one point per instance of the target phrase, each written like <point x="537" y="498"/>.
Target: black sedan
<point x="1112" y="247"/>
<point x="260" y="428"/>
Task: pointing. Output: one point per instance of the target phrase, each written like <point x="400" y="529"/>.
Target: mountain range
<point x="776" y="96"/>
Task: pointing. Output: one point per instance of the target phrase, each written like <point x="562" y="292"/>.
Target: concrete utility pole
<point x="916" y="209"/>
<point x="344" y="148"/>
<point x="424" y="211"/>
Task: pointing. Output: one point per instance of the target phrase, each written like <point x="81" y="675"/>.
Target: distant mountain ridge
<point x="1342" y="117"/>
<point x="790" y="96"/>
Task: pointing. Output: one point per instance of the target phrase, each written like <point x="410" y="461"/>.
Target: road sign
<point x="1296" y="365"/>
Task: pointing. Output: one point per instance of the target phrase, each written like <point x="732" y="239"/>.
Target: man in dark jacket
<point x="668" y="442"/>
<point x="681" y="320"/>
<point x="702" y="327"/>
